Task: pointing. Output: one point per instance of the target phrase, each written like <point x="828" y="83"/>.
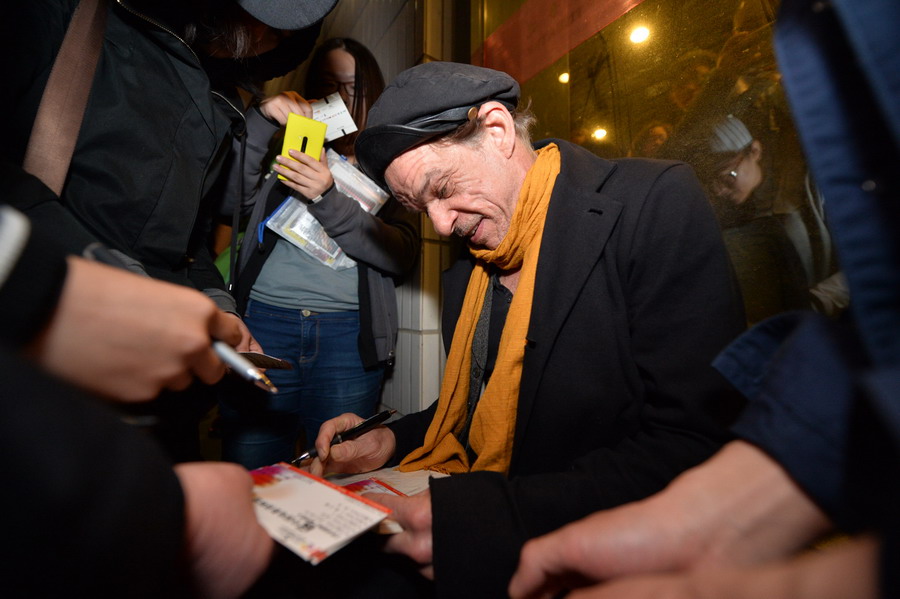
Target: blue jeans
<point x="327" y="380"/>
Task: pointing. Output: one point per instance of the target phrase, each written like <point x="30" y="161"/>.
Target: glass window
<point x="698" y="82"/>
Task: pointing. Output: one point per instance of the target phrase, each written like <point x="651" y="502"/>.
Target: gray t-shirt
<point x="293" y="279"/>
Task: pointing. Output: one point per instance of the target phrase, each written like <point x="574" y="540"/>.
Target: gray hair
<point x="471" y="132"/>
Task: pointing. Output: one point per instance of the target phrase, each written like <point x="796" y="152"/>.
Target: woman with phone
<point x="337" y="328"/>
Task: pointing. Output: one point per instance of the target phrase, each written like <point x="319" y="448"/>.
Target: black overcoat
<point x="634" y="297"/>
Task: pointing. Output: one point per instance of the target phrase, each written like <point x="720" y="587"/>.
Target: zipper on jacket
<point x="159" y="25"/>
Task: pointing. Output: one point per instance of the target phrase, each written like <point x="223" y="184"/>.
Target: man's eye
<point x="443" y="192"/>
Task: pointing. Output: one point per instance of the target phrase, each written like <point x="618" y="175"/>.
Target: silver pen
<point x="242" y="366"/>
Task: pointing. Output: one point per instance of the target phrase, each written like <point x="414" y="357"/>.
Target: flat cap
<point x="288" y="14"/>
<point x="424" y="102"/>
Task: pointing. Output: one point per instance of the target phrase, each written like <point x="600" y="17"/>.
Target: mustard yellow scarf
<point x="494" y="420"/>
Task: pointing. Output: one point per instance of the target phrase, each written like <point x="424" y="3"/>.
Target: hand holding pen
<point x="352" y="433"/>
<point x="167" y="311"/>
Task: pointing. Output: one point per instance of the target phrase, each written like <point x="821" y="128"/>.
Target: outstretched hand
<point x="848" y="569"/>
<point x="226" y="548"/>
<point x="738" y="508"/>
<point x="127" y="337"/>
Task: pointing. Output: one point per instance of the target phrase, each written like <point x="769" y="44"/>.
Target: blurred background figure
<point x="648" y="141"/>
<point x="730" y="162"/>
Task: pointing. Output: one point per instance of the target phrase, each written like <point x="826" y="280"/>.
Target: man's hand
<point x="849" y="569"/>
<point x="227" y="549"/>
<point x="414" y="515"/>
<point x="278" y="107"/>
<point x="739" y="507"/>
<point x="127" y="337"/>
<point x="368" y="452"/>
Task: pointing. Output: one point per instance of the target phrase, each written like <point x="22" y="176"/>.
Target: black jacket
<point x="151" y="144"/>
<point x="634" y="296"/>
<point x="89" y="497"/>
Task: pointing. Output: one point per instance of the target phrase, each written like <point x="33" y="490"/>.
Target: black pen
<point x="360" y="429"/>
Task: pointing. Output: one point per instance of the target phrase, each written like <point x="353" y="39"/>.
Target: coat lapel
<point x="579" y="223"/>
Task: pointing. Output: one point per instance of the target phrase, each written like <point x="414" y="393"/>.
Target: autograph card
<point x="309" y="515"/>
<point x="332" y="111"/>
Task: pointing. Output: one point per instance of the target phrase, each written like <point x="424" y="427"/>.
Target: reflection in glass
<point x="703" y="87"/>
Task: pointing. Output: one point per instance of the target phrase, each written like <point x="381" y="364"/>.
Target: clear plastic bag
<point x="293" y="221"/>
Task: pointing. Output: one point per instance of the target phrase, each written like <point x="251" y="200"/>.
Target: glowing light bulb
<point x="564" y="78"/>
<point x="639" y="35"/>
<point x="599" y="133"/>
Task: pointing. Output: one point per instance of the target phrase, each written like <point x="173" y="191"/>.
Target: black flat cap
<point x="423" y="102"/>
<point x="288" y="14"/>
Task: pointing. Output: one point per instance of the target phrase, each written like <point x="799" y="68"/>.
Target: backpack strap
<point x="63" y="102"/>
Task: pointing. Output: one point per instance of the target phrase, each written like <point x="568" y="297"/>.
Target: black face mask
<point x="251" y="72"/>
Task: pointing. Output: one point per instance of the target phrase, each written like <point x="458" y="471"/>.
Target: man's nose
<point x="441" y="219"/>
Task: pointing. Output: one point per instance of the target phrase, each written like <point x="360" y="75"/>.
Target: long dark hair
<point x="368" y="82"/>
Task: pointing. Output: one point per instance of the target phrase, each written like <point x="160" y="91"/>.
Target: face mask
<point x="251" y="72"/>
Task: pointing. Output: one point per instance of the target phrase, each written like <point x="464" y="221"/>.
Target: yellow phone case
<point x="305" y="135"/>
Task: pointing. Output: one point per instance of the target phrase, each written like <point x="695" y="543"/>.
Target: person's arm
<point x="738" y="508"/>
<point x="226" y="548"/>
<point x="104" y="329"/>
<point x="98" y="503"/>
<point x="387" y="242"/>
<point x="95" y="500"/>
<point x="127" y="337"/>
<point x="32" y="272"/>
<point x="848" y="569"/>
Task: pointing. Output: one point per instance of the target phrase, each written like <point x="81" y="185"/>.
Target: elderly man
<point x="583" y="325"/>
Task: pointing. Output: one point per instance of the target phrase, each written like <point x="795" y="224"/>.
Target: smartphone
<point x="266" y="361"/>
<point x="305" y="135"/>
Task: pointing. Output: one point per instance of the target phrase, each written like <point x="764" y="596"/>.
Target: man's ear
<point x="499" y="126"/>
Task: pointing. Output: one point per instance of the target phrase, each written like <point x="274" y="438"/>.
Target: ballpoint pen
<point x="242" y="366"/>
<point x="358" y="430"/>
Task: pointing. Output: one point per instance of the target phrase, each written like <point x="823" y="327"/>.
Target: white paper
<point x="332" y="111"/>
<point x="309" y="515"/>
<point x="401" y="483"/>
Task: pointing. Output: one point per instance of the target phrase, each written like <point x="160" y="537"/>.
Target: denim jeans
<point x="327" y="380"/>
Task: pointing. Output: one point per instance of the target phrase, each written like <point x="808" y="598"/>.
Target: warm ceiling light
<point x="599" y="133"/>
<point x="640" y="34"/>
<point x="564" y="78"/>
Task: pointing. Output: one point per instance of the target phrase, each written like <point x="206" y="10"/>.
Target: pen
<point x="100" y="253"/>
<point x="348" y="435"/>
<point x="242" y="366"/>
